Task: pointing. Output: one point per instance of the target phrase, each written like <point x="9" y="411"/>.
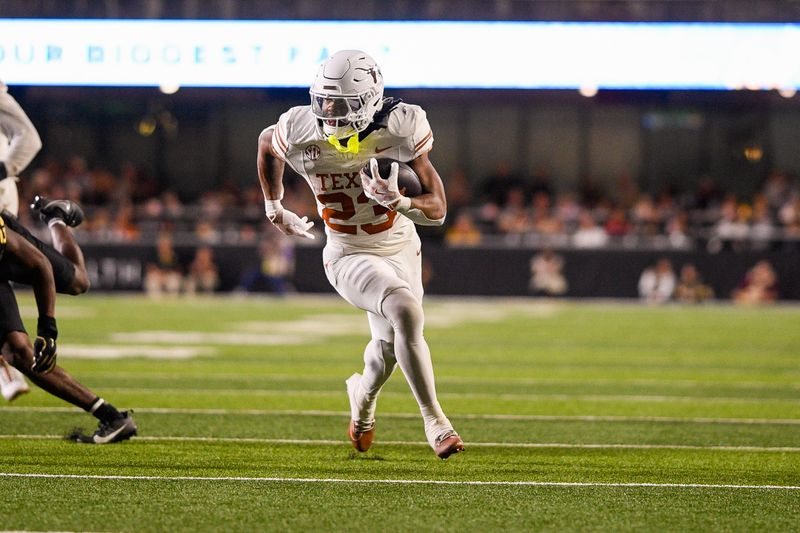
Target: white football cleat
<point x="447" y="444"/>
<point x="361" y="434"/>
<point x="12" y="382"/>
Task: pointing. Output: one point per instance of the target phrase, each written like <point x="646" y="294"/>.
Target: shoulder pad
<point x="404" y="119"/>
<point x="297" y="124"/>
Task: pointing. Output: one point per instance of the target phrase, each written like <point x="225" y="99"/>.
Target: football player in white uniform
<point x="372" y="255"/>
<point x="19" y="143"/>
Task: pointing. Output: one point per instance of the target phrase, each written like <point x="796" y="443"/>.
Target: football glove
<point x="44" y="347"/>
<point x="286" y="221"/>
<point x="383" y="190"/>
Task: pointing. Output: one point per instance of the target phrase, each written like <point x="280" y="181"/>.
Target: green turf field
<point x="576" y="416"/>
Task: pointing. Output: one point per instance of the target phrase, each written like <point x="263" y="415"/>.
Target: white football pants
<point x="389" y="289"/>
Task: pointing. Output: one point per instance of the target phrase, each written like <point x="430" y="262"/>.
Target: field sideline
<point x="576" y="416"/>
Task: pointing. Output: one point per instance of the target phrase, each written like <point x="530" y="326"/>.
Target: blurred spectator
<point x="568" y="211"/>
<point x="657" y="283"/>
<point x="732" y="226"/>
<point x="760" y="285"/>
<point x="140" y="209"/>
<point x="495" y="188"/>
<point x="762" y="229"/>
<point x="617" y="224"/>
<point x="514" y="217"/>
<point x="547" y="278"/>
<point x="778" y="189"/>
<point x="206" y="232"/>
<point x="275" y="268"/>
<point x="173" y="208"/>
<point x="589" y="234"/>
<point x="463" y="231"/>
<point x="164" y="273"/>
<point x="691" y="288"/>
<point x="124" y="228"/>
<point x="203" y="275"/>
<point x="459" y="193"/>
<point x="677" y="230"/>
<point x="789" y="213"/>
<point x="645" y="216"/>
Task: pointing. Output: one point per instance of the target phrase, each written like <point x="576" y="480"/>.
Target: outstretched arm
<point x="270" y="176"/>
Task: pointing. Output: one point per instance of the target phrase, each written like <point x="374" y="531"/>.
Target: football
<point x="406" y="177"/>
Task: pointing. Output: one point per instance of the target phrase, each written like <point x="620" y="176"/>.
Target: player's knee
<point x="403" y="310"/>
<point x="387" y="351"/>
<point x="80" y="283"/>
<point x="20" y="351"/>
<point x="379" y="358"/>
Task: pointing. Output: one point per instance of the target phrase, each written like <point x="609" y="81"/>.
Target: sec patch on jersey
<point x="406" y="177"/>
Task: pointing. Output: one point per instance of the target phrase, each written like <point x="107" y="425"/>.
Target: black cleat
<point x="66" y="210"/>
<point x="108" y="432"/>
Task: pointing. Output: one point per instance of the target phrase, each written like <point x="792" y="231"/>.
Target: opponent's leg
<point x="404" y="312"/>
<point x="64" y="242"/>
<point x="114" y="425"/>
<point x="69" y="271"/>
<point x="60" y="215"/>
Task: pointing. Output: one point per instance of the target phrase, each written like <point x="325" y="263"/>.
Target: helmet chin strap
<point x="352" y="144"/>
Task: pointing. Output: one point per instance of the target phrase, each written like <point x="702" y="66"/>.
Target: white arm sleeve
<point x="415" y="215"/>
<point x="19" y="140"/>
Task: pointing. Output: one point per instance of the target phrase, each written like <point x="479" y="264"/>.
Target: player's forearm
<point x="272" y="180"/>
<point x="270" y="168"/>
<point x="425" y="210"/>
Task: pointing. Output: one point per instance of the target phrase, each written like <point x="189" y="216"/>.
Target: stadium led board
<point x="519" y="55"/>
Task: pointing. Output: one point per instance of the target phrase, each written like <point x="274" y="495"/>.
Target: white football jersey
<point x="351" y="219"/>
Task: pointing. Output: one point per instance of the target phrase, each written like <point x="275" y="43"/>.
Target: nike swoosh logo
<point x="379" y="150"/>
<point x="110" y="437"/>
<point x="419" y="252"/>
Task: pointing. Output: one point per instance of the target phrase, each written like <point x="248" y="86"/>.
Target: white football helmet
<point x="346" y="93"/>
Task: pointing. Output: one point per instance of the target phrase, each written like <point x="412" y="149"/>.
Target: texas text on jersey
<point x="400" y="131"/>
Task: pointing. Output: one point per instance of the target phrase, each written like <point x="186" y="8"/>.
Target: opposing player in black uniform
<point x="25" y="259"/>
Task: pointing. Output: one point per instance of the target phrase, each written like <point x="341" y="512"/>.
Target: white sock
<point x="379" y="363"/>
<point x="405" y="313"/>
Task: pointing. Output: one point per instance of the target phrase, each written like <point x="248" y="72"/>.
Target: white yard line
<point x="539" y="418"/>
<point x="400" y="481"/>
<point x="456" y="395"/>
<point x="471" y="444"/>
<point x="622" y="382"/>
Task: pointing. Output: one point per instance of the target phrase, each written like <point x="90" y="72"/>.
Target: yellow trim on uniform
<point x="3" y="238"/>
<point x="352" y="144"/>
